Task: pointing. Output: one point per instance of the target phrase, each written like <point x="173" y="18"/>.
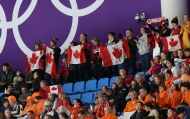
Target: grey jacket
<point x="143" y="45"/>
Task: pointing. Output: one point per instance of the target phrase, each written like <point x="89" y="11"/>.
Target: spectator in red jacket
<point x="84" y="68"/>
<point x="187" y="55"/>
<point x="126" y="78"/>
<point x="96" y="59"/>
<point x="63" y="74"/>
<point x="42" y="91"/>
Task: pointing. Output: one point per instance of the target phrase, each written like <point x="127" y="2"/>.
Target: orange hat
<point x="36" y="94"/>
<point x="13" y="98"/>
<point x="30" y="98"/>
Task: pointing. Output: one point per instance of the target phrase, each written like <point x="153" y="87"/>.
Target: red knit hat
<point x="38" y="43"/>
<point x="175" y="20"/>
<point x="54" y="40"/>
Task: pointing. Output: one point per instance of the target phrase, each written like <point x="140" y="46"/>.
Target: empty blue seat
<point x="90" y="85"/>
<point x="68" y="88"/>
<point x="87" y="98"/>
<point x="78" y="87"/>
<point x="112" y="80"/>
<point x="103" y="82"/>
<point x="73" y="97"/>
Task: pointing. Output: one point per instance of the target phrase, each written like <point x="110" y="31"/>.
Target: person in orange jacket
<point x="161" y="97"/>
<point x="145" y="97"/>
<point x="74" y="109"/>
<point x="169" y="79"/>
<point x="102" y="102"/>
<point x="174" y="96"/>
<point x="31" y="115"/>
<point x="131" y="105"/>
<point x="108" y="113"/>
<point x="39" y="103"/>
<point x="184" y="68"/>
<point x="185" y="90"/>
<point x="82" y="115"/>
<point x="29" y="106"/>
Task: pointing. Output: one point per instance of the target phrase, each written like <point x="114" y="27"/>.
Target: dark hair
<point x="187" y="50"/>
<point x="38" y="97"/>
<point x="140" y="103"/>
<point x="145" y="29"/>
<point x="105" y="87"/>
<point x="185" y="84"/>
<point x="187" y="15"/>
<point x="79" y="101"/>
<point x="82" y="112"/>
<point x="85" y="35"/>
<point x="158" y="56"/>
<point x="171" y="61"/>
<point x="63" y="114"/>
<point x="49" y="116"/>
<point x="5" y="64"/>
<point x="112" y="33"/>
<point x="121" y="68"/>
<point x="25" y="86"/>
<point x="149" y="104"/>
<point x="176" y="86"/>
<point x="163" y="86"/>
<point x="96" y="39"/>
<point x="16" y="71"/>
<point x="180" y="110"/>
<point x="74" y="43"/>
<point x="130" y="30"/>
<point x="30" y="111"/>
<point x="143" y="88"/>
<point x="44" y="82"/>
<point x="96" y="98"/>
<point x="174" y="110"/>
<point x="163" y="53"/>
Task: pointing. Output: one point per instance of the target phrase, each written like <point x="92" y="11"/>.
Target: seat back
<point x="87" y="98"/>
<point x="91" y="85"/>
<point x="73" y="97"/>
<point x="112" y="80"/>
<point x="103" y="82"/>
<point x="67" y="88"/>
<point x="79" y="86"/>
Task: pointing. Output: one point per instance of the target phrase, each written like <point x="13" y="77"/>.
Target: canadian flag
<point x="75" y="55"/>
<point x="55" y="89"/>
<point x="34" y="61"/>
<point x="115" y="54"/>
<point x="171" y="43"/>
<point x="50" y="62"/>
<point x="61" y="108"/>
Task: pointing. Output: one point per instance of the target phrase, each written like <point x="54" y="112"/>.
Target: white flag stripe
<point x="75" y="49"/>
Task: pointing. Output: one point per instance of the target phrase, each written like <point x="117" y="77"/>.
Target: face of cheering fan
<point x="36" y="47"/>
<point x="171" y="113"/>
<point x="186" y="18"/>
<point x="110" y="37"/>
<point x="82" y="38"/>
<point x="128" y="33"/>
<point x="51" y="44"/>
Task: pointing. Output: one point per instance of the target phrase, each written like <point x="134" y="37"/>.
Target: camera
<point x="140" y="17"/>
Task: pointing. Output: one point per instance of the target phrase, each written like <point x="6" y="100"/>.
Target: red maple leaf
<point x="53" y="88"/>
<point x="117" y="53"/>
<point x="76" y="54"/>
<point x="173" y="42"/>
<point x="34" y="58"/>
<point x="49" y="58"/>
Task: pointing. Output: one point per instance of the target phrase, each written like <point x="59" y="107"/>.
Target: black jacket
<point x="7" y="78"/>
<point x="142" y="115"/>
<point x="12" y="117"/>
<point x="36" y="84"/>
<point x="132" y="46"/>
<point x="19" y="85"/>
<point x="56" y="55"/>
<point x="143" y="85"/>
<point x="56" y="116"/>
<point x="120" y="93"/>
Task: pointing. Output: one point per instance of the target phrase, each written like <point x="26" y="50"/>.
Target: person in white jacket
<point x="170" y="64"/>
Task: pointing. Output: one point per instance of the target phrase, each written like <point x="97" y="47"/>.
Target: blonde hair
<point x="134" y="93"/>
<point x="95" y="39"/>
<point x="63" y="95"/>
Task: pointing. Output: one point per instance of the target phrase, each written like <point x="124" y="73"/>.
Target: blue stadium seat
<point x="120" y="66"/>
<point x="112" y="80"/>
<point x="78" y="87"/>
<point x="68" y="88"/>
<point x="1" y="94"/>
<point x="87" y="98"/>
<point x="142" y="73"/>
<point x="90" y="85"/>
<point x="103" y="82"/>
<point x="146" y="73"/>
<point x="73" y="97"/>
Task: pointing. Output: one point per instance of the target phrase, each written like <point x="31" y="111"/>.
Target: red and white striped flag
<point x="60" y="108"/>
<point x="50" y="62"/>
<point x="115" y="54"/>
<point x="55" y="89"/>
<point x="34" y="61"/>
<point x="75" y="55"/>
<point x="171" y="43"/>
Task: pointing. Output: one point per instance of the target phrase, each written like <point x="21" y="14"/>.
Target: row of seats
<point x="88" y="86"/>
